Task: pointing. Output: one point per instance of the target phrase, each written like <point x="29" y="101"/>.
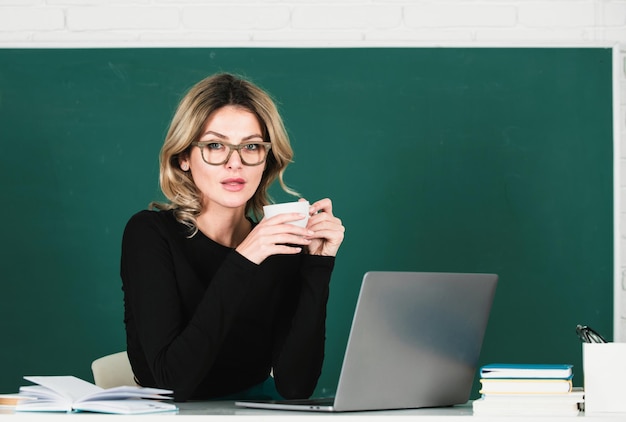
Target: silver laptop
<point x="415" y="342"/>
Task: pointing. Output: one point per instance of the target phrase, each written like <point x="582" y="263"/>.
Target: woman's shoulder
<point x="150" y="220"/>
<point x="152" y="215"/>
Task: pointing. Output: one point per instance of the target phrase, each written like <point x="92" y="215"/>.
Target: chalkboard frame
<point x="29" y="267"/>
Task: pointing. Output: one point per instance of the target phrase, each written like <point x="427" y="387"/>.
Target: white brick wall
<point x="115" y="23"/>
<point x="118" y="18"/>
<point x="293" y="23"/>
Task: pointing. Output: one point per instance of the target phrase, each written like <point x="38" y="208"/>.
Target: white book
<point x="482" y="407"/>
<point x="521" y="386"/>
<point x="530" y="404"/>
<point x="68" y="393"/>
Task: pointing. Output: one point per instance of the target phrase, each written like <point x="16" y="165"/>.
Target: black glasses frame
<point x="589" y="335"/>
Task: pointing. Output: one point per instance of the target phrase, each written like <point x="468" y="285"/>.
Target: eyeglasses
<point x="589" y="335"/>
<point x="218" y="153"/>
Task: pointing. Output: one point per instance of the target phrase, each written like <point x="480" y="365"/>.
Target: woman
<point x="215" y="301"/>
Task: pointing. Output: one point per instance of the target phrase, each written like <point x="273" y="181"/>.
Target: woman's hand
<point x="273" y="236"/>
<point x="328" y="231"/>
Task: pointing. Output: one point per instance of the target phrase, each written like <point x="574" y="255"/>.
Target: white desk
<point x="226" y="410"/>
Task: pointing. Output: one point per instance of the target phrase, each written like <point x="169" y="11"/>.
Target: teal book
<point x="527" y="370"/>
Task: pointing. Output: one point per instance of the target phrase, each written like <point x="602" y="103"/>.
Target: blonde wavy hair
<point x="201" y="100"/>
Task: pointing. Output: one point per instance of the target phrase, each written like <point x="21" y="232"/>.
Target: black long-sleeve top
<point x="205" y="322"/>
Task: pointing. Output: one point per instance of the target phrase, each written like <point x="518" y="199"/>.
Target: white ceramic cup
<point x="300" y="207"/>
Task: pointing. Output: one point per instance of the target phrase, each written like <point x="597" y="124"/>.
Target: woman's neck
<point x="227" y="227"/>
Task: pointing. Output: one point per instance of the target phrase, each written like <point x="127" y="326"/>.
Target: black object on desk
<point x="589" y="335"/>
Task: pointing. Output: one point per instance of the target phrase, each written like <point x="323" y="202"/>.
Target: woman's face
<point x="232" y="184"/>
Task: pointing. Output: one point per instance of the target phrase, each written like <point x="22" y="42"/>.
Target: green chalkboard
<point x="437" y="159"/>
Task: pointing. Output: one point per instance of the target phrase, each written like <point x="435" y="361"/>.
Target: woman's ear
<point x="183" y="162"/>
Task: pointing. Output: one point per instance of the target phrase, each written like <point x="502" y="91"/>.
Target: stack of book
<point x="527" y="389"/>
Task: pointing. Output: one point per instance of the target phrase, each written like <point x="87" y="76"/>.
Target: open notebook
<point x="415" y="342"/>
